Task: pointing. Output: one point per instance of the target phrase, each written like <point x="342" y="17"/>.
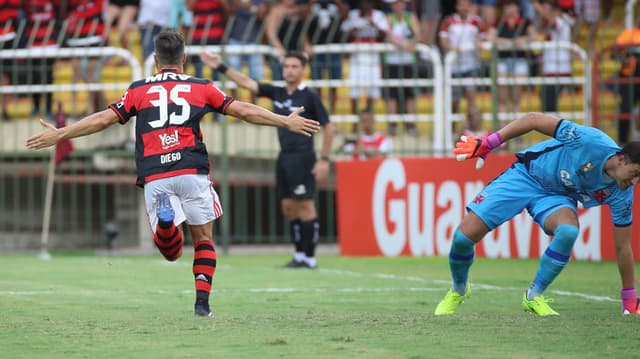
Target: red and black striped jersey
<point x="41" y="18"/>
<point x="168" y="108"/>
<point x="9" y="13"/>
<point x="85" y="18"/>
<point x="209" y="21"/>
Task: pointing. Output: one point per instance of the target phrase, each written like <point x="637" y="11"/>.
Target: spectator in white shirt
<point x="556" y="62"/>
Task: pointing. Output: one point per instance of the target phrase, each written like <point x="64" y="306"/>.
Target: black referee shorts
<point x="293" y="175"/>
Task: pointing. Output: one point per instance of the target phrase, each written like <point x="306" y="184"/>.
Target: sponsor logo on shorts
<point x="300" y="190"/>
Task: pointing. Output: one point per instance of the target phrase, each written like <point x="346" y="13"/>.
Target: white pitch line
<point x="344" y="273"/>
<point x="596" y="298"/>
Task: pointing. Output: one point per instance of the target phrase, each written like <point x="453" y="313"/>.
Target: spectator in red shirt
<point x="9" y="17"/>
<point x="209" y="21"/>
<point x="369" y="143"/>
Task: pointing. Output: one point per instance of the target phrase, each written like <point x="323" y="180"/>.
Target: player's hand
<point x="210" y="59"/>
<point x="321" y="170"/>
<point x="301" y="125"/>
<point x="48" y="137"/>
<point x="472" y="147"/>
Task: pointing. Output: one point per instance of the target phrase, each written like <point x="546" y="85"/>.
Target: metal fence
<point x="97" y="205"/>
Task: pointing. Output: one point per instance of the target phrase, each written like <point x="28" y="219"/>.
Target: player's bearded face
<point x="292" y="70"/>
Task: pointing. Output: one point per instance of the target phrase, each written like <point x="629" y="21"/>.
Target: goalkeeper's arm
<point x="624" y="255"/>
<point x="480" y="147"/>
<point x="533" y="121"/>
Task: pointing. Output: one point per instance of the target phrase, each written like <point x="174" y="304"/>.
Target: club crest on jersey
<point x="169" y="140"/>
<point x="587" y="167"/>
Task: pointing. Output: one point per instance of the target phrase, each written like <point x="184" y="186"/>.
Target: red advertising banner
<point x="411" y="206"/>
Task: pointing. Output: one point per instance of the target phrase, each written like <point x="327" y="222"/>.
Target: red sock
<point x="204" y="266"/>
<point x="169" y="242"/>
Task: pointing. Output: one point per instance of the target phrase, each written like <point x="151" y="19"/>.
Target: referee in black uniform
<point x="297" y="168"/>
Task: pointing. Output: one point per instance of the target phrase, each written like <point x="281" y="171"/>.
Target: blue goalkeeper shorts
<point x="511" y="192"/>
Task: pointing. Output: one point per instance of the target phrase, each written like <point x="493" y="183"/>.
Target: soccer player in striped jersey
<point x="579" y="164"/>
<point x="171" y="159"/>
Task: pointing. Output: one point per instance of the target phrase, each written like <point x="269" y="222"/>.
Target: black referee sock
<point x="296" y="237"/>
<point x="309" y="231"/>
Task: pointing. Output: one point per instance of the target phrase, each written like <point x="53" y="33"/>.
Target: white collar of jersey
<point x="302" y="86"/>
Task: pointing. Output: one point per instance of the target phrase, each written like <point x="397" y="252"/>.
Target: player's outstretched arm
<point x="480" y="146"/>
<point x="88" y="125"/>
<point x="533" y="121"/>
<point x="215" y="62"/>
<point x="260" y="116"/>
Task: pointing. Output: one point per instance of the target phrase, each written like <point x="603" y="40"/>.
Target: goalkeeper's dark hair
<point x="169" y="47"/>
<point x="631" y="152"/>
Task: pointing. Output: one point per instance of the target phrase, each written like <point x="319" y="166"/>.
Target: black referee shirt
<point x="284" y="103"/>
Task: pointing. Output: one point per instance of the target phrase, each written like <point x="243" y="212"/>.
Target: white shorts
<point x="192" y="197"/>
<point x="359" y="74"/>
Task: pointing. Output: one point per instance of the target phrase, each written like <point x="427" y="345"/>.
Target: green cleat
<point x="451" y="301"/>
<point x="538" y="305"/>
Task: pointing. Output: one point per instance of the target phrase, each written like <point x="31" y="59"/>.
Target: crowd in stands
<point x="458" y="26"/>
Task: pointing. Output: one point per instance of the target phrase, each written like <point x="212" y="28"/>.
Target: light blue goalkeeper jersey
<point x="572" y="164"/>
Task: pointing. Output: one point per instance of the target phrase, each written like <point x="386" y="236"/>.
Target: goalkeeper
<point x="579" y="164"/>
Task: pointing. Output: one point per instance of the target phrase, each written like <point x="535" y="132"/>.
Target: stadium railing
<point x="425" y="52"/>
<point x="242" y="156"/>
<point x="91" y="194"/>
<point x="582" y="112"/>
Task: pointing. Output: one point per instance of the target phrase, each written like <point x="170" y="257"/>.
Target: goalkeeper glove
<point x="630" y="301"/>
<point x="476" y="147"/>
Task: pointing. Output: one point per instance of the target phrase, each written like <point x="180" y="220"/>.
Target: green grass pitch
<point x="87" y="306"/>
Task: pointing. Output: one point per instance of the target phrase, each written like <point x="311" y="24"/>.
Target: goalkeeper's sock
<point x="168" y="239"/>
<point x="554" y="259"/>
<point x="460" y="260"/>
<point x="296" y="238"/>
<point x="204" y="266"/>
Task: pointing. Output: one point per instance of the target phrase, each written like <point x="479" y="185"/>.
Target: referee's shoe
<point x="299" y="264"/>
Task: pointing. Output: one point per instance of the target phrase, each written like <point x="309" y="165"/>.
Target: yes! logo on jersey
<point x="169" y="140"/>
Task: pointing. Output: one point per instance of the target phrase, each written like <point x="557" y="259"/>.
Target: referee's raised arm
<point x="215" y="62"/>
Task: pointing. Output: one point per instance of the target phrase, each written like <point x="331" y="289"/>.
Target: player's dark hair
<point x="169" y="47"/>
<point x="298" y="55"/>
<point x="631" y="152"/>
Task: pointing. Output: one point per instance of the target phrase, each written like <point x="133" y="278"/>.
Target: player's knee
<point x="567" y="232"/>
<point x="564" y="238"/>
